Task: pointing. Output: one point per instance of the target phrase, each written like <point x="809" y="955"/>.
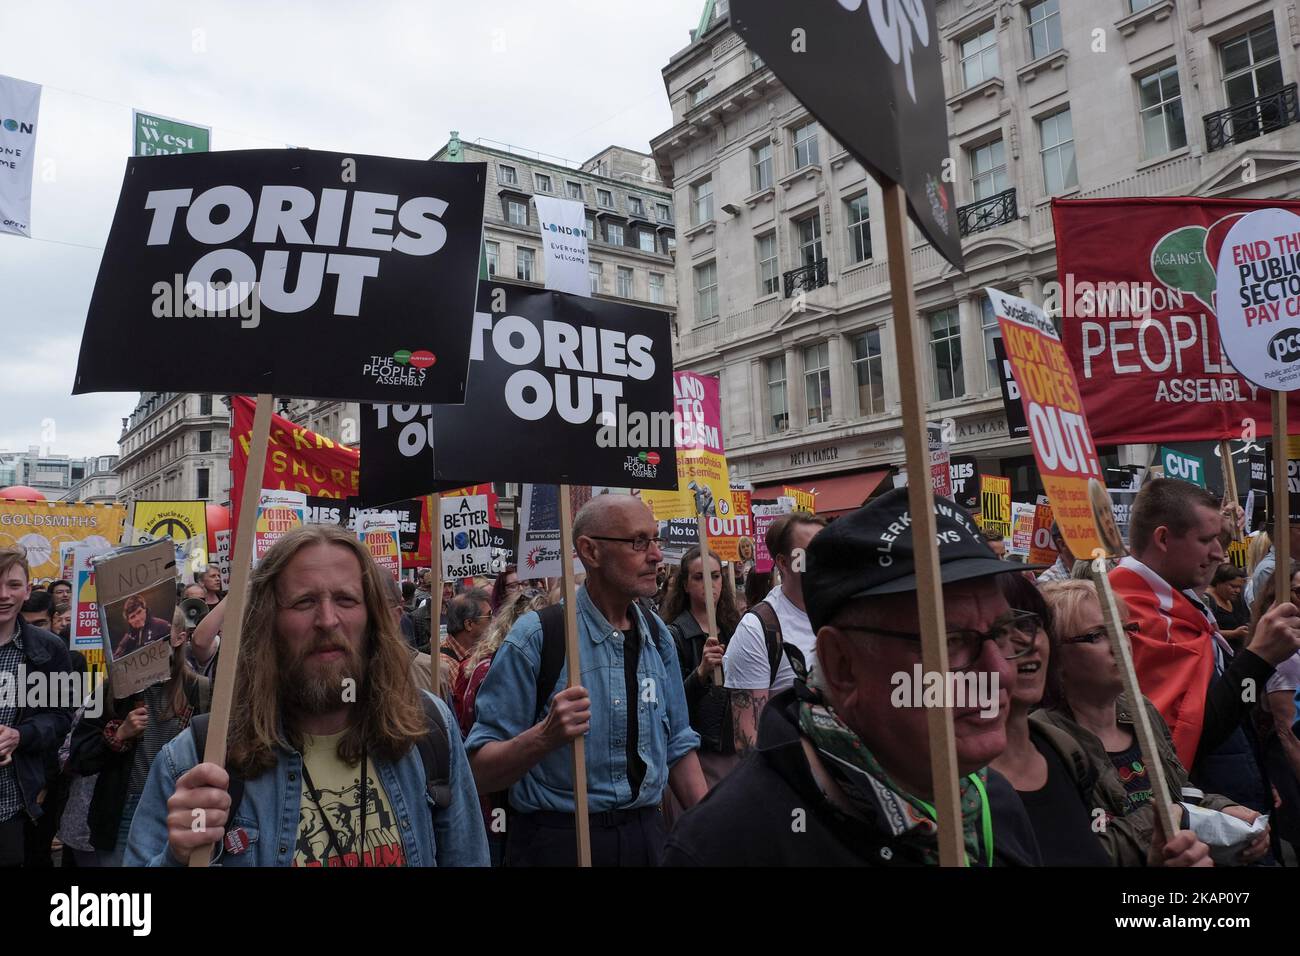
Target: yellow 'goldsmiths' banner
<point x="40" y="527"/>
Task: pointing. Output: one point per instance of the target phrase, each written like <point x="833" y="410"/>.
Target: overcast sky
<point x="390" y="78"/>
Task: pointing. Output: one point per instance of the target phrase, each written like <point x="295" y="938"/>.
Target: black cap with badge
<point x="869" y="552"/>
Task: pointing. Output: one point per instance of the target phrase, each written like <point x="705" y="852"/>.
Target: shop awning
<point x="835" y="494"/>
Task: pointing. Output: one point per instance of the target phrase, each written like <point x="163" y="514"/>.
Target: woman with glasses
<point x="700" y="658"/>
<point x="506" y="587"/>
<point x="1084" y="697"/>
<point x="1040" y="761"/>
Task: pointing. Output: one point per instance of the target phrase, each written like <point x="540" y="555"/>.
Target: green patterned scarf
<point x="875" y="795"/>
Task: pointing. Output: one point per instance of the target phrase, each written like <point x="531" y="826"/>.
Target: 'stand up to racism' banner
<point x="1137" y="293"/>
<point x="265" y="254"/>
<point x="1058" y="428"/>
<point x="703" y="487"/>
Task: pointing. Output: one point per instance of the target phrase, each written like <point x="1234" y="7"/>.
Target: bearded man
<point x="330" y="742"/>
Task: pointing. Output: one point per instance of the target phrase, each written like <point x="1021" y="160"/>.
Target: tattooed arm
<point x="746" y="705"/>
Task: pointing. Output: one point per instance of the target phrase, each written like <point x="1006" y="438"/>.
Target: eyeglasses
<point x="515" y="586"/>
<point x="1099" y="634"/>
<point x="1014" y="635"/>
<point x="640" y="543"/>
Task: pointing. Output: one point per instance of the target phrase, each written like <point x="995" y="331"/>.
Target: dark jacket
<point x="41" y="730"/>
<point x="90" y="754"/>
<point x="747" y="819"/>
<point x="1126" y="838"/>
<point x="708" y="704"/>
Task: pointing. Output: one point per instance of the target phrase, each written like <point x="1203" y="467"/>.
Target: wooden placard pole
<point x="573" y="659"/>
<point x="1160" y="795"/>
<point x="1281" y="503"/>
<point x="1230" y="484"/>
<point x="706" y="567"/>
<point x="435" y="591"/>
<point x="223" y="685"/>
<point x="920" y="499"/>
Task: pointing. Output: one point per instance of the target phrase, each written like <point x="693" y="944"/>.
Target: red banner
<point x="1137" y="298"/>
<point x="299" y="459"/>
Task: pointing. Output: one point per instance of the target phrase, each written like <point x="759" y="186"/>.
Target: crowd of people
<point x="770" y="725"/>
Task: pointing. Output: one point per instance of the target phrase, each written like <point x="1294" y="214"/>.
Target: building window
<point x="777" y="406"/>
<point x="591" y="229"/>
<point x="205" y="404"/>
<point x="516" y="212"/>
<point x="645" y="240"/>
<point x="769" y="275"/>
<point x="493" y="257"/>
<point x="542" y="182"/>
<point x="575" y="190"/>
<point x="755" y="61"/>
<point x="205" y="441"/>
<point x="869" y="372"/>
<point x="670" y="242"/>
<point x="945" y="347"/>
<point x="624" y="282"/>
<point x="817" y="381"/>
<point x="524" y="264"/>
<point x="762" y="166"/>
<point x="979" y="57"/>
<point x="1044" y="28"/>
<point x="614" y="233"/>
<point x="697" y="94"/>
<point x="663" y="212"/>
<point x="702" y="202"/>
<point x="1136" y="6"/>
<point x="988" y="170"/>
<point x="989" y="327"/>
<point x="805" y="145"/>
<point x="201" y="483"/>
<point x="706" y="292"/>
<point x="656" y="288"/>
<point x="506" y="175"/>
<point x="1251" y="66"/>
<point x="809" y="230"/>
<point x="594" y="270"/>
<point x="605" y="198"/>
<point x="635" y="206"/>
<point x="859" y="229"/>
<point x="1161" y="105"/>
<point x="1056" y="133"/>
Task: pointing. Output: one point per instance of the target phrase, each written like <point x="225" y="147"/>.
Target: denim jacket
<point x="269" y="810"/>
<point x="506" y="702"/>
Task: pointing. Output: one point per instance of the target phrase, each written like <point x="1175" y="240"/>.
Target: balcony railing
<point x="1251" y="119"/>
<point x="806" y="279"/>
<point x="987" y="213"/>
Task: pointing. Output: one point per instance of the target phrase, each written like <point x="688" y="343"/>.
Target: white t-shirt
<point x="745" y="664"/>
<point x="1286" y="676"/>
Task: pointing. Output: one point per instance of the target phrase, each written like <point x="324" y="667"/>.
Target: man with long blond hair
<point x="328" y="735"/>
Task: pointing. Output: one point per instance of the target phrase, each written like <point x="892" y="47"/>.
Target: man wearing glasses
<point x="630" y="707"/>
<point x="840" y="773"/>
<point x="1184" y="665"/>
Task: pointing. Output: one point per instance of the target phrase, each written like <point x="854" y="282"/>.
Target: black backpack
<point x="771" y="625"/>
<point x="434" y="748"/>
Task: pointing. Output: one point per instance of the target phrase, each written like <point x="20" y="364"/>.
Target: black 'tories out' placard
<point x="295" y="272"/>
<point x="1017" y="427"/>
<point x="870" y="73"/>
<point x="562" y="390"/>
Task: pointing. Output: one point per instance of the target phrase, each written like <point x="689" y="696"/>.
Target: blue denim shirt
<point x="269" y="810"/>
<point x="506" y="702"/>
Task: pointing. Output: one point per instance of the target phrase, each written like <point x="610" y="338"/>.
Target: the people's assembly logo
<point x="403" y="367"/>
<point x="642" y="465"/>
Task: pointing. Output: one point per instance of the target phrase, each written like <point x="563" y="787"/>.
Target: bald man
<point x="630" y="706"/>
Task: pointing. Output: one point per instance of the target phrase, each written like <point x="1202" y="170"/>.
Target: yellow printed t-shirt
<point x="339" y="789"/>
